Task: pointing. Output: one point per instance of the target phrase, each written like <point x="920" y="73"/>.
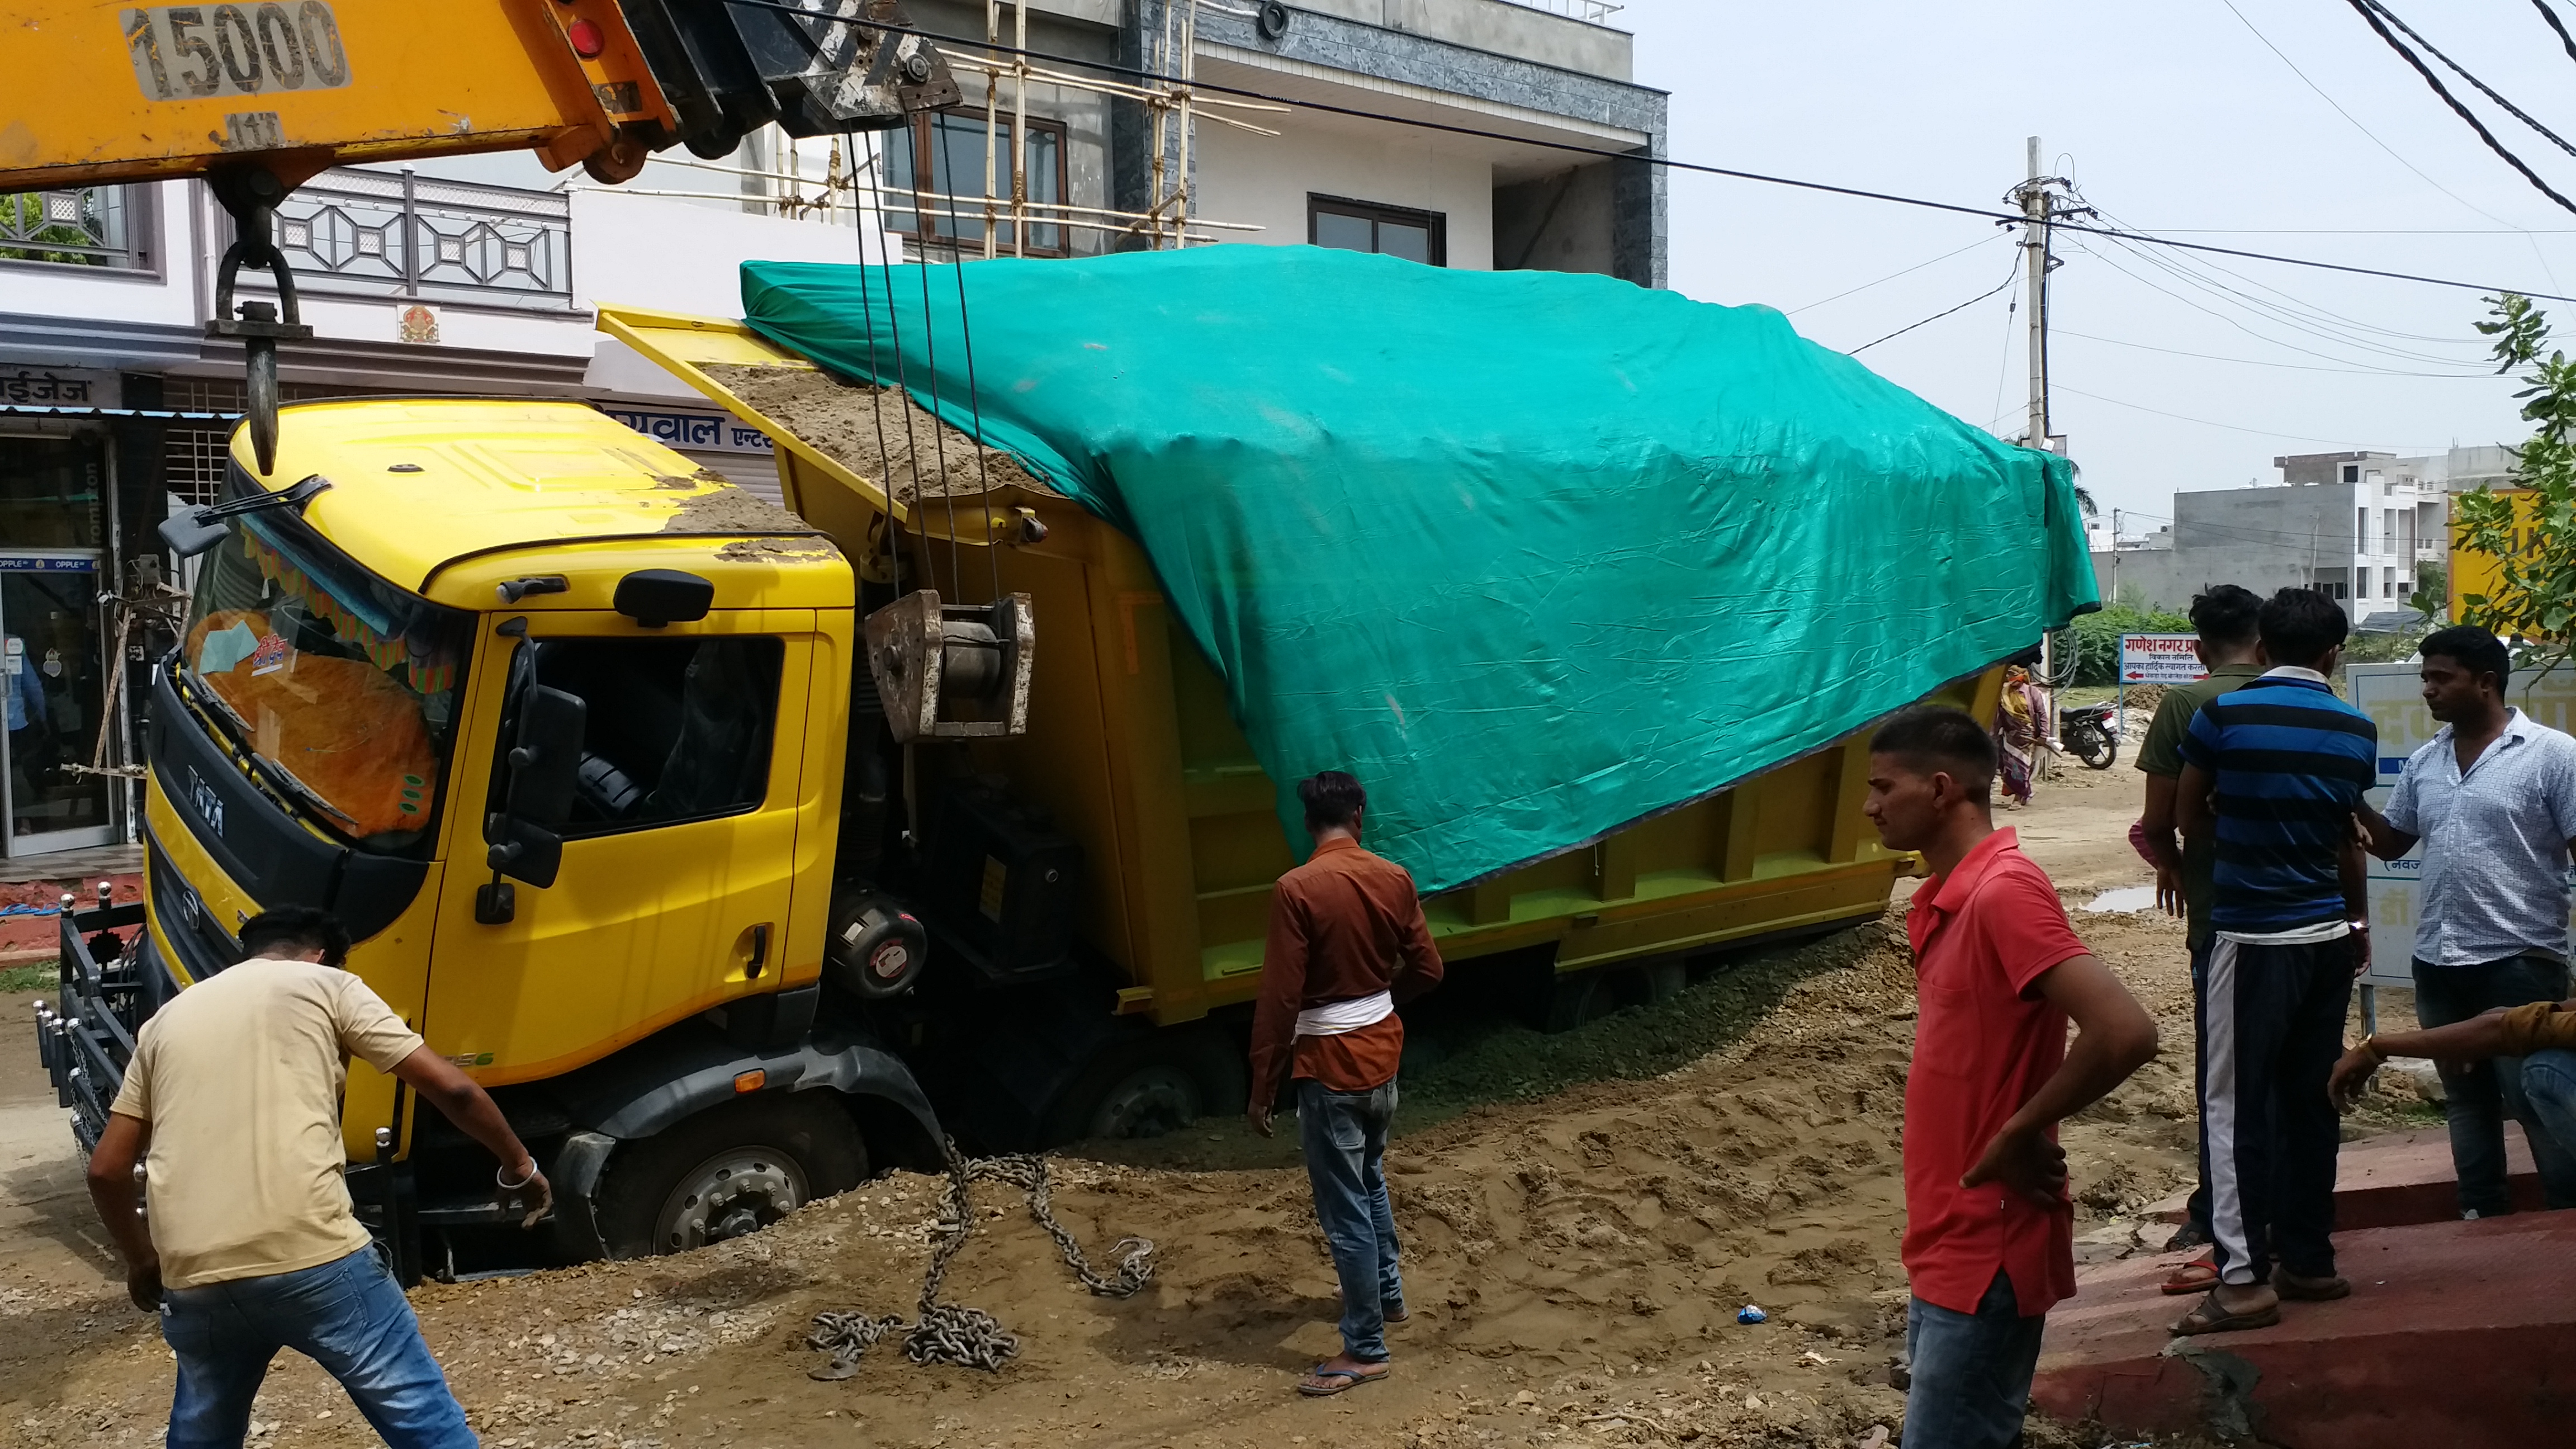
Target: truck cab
<point x="338" y="728"/>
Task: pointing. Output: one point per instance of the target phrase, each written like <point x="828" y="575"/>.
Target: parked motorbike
<point x="2087" y="733"/>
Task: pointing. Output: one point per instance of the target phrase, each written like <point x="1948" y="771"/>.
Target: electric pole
<point x="2036" y="201"/>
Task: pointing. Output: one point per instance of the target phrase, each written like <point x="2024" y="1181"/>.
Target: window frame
<point x="521" y="672"/>
<point x="1377" y="213"/>
<point x="920" y="130"/>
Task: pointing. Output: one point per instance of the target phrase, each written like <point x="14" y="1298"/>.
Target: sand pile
<point x="877" y="433"/>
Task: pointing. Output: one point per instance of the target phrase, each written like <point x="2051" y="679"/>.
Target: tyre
<point x="2094" y="746"/>
<point x="1151" y="1087"/>
<point x="729" y="1170"/>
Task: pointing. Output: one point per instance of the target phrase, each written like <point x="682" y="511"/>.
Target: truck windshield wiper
<point x="277" y="777"/>
<point x="197" y="530"/>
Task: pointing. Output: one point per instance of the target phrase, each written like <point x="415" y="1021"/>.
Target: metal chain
<point x="952" y="1333"/>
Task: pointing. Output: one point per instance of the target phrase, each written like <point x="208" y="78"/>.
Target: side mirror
<point x="545" y="764"/>
<point x="189" y="533"/>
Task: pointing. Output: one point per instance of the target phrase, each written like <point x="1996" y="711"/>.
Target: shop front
<point x="55" y="654"/>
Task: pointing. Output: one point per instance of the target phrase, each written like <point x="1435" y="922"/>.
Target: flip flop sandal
<point x="2197" y="1276"/>
<point x="2310" y="1290"/>
<point x="1350" y="1379"/>
<point x="2210" y="1316"/>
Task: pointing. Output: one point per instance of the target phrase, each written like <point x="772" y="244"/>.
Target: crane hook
<point x="250" y="196"/>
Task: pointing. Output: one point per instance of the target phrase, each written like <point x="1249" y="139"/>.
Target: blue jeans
<point x="2478" y="1096"/>
<point x="1971" y="1371"/>
<point x="1344" y="1136"/>
<point x="2549" y="1086"/>
<point x="345" y="1315"/>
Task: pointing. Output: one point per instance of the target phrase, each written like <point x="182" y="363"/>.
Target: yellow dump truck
<point x="583" y="746"/>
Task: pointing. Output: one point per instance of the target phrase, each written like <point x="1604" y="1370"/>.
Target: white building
<point x="480" y="275"/>
<point x="2360" y="528"/>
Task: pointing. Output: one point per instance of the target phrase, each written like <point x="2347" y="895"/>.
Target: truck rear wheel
<point x="1158" y="1085"/>
<point x="730" y="1170"/>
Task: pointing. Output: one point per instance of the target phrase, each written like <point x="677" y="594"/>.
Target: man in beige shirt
<point x="234" y="1092"/>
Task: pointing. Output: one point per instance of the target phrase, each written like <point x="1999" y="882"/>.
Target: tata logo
<point x="209" y="805"/>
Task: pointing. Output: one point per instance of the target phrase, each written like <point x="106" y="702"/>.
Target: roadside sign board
<point x="2392" y="695"/>
<point x="2160" y="659"/>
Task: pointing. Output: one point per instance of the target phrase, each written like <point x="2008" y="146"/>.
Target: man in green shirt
<point x="2225" y="620"/>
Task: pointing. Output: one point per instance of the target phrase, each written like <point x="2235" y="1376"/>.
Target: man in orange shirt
<point x="1347" y="942"/>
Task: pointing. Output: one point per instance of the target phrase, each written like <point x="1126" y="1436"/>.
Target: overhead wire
<point x="2206" y="422"/>
<point x="2365" y="9"/>
<point x="2328" y="97"/>
<point x="2259" y="362"/>
<point x="2321" y="330"/>
<point x="2490" y="92"/>
<point x="2008" y="280"/>
<point x="1890" y="277"/>
<point x="2556" y="24"/>
<point x="1665" y="162"/>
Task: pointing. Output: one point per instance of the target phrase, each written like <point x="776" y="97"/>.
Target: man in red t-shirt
<point x="1989" y="1232"/>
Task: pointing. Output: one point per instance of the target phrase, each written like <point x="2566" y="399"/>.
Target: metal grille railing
<point x="82" y="226"/>
<point x="351" y="232"/>
<point x="1596" y="11"/>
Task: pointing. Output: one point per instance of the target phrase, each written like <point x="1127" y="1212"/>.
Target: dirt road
<point x="1584" y="1215"/>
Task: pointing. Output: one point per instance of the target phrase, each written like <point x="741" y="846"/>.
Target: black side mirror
<point x="655" y="597"/>
<point x="190" y="533"/>
<point x="545" y="764"/>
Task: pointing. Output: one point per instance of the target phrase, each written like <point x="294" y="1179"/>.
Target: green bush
<point x="2097" y="637"/>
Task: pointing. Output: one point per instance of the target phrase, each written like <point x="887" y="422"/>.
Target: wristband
<point x="500" y="1176"/>
<point x="2378" y="1055"/>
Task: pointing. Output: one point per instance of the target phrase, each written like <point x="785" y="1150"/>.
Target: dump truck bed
<point x="1132" y="751"/>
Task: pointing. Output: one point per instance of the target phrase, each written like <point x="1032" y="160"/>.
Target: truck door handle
<point x="759" y="950"/>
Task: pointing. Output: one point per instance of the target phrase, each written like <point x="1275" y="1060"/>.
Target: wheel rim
<point x="1147" y="1103"/>
<point x="737" y="1191"/>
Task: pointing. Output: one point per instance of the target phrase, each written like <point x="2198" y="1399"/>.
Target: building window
<point x="1365" y="226"/>
<point x="2361" y="530"/>
<point x="946" y="159"/>
<point x="84" y="226"/>
<point x="2361" y="582"/>
<point x="2352" y="472"/>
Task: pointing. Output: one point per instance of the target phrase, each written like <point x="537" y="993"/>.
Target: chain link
<point x="952" y="1333"/>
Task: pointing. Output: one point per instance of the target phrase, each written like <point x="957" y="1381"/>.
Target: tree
<point x="2533" y="544"/>
<point x="2432" y="594"/>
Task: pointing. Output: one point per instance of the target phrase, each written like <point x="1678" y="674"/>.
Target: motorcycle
<point x="2087" y="733"/>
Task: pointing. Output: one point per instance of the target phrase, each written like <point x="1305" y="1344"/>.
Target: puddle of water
<point x="2127" y="898"/>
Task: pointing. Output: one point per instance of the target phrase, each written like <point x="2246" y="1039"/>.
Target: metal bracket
<point x="953" y="671"/>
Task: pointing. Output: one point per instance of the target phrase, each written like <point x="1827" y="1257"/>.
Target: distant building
<point x="2356" y="527"/>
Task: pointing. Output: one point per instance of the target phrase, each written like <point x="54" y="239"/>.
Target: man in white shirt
<point x="2492" y="798"/>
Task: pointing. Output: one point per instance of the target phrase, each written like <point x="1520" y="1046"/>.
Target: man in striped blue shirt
<point x="2275" y="770"/>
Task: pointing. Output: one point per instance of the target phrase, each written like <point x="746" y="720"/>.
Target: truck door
<point x="677" y="863"/>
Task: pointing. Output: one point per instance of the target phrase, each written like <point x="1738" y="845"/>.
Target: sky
<point x="2173" y="118"/>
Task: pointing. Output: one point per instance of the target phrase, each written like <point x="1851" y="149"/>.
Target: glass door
<point x="53" y="671"/>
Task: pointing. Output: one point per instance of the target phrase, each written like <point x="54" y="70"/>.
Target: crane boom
<point x="258" y="97"/>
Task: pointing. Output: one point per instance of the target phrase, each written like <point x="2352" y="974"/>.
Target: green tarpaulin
<point x="1532" y="554"/>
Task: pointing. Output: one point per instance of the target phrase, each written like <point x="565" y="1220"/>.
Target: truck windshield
<point x="342" y="686"/>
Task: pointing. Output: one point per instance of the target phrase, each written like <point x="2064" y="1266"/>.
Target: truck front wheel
<point x="730" y="1170"/>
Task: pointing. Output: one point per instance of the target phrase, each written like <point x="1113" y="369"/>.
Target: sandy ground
<point x="1583" y="1217"/>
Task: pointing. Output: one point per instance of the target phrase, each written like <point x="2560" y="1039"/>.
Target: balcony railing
<point x="357" y="233"/>
<point x="1597" y="12"/>
<point x="83" y="226"/>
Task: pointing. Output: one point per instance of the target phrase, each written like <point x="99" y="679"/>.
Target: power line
<point x="2328" y="97"/>
<point x="2107" y="260"/>
<point x="1666" y="162"/>
<point x="2555" y="24"/>
<point x="2323" y="328"/>
<point x="2209" y="423"/>
<point x="2491" y="93"/>
<point x="1890" y="277"/>
<point x="2009" y="278"/>
<point x="2366" y="11"/>
<point x="2258" y="362"/>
